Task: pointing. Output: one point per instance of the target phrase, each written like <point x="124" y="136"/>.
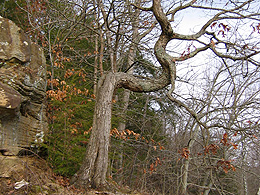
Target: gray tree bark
<point x="93" y="170"/>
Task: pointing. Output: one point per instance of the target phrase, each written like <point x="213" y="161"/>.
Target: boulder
<point x="22" y="90"/>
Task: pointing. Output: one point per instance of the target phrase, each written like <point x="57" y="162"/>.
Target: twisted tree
<point x="210" y="37"/>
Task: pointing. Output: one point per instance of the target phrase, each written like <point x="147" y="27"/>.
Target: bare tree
<point x="210" y="37"/>
<point x="231" y="96"/>
<point x="217" y="119"/>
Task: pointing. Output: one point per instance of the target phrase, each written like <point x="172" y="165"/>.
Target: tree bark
<point x="93" y="170"/>
<point x="121" y="128"/>
<point x="96" y="65"/>
<point x="187" y="161"/>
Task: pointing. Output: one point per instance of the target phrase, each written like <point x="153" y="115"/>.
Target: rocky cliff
<point x="22" y="90"/>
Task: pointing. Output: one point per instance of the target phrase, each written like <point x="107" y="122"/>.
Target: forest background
<point x="203" y="138"/>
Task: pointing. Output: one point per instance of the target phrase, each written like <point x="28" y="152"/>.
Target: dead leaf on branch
<point x="185" y="153"/>
<point x="225" y="165"/>
<point x="213" y="148"/>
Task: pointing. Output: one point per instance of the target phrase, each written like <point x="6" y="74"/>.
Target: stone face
<point x="22" y="89"/>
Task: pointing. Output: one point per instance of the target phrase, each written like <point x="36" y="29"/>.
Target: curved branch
<point x="234" y="58"/>
<point x="196" y="116"/>
<point x="142" y="8"/>
<point x="136" y="84"/>
<point x="167" y="61"/>
<point x="181" y="7"/>
<point x="192" y="54"/>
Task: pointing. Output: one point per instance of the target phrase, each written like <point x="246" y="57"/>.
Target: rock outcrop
<point x="22" y="90"/>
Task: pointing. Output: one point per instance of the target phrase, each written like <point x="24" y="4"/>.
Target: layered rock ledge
<point x="22" y="90"/>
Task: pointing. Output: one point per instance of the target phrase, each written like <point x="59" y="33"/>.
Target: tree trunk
<point x="93" y="170"/>
<point x="122" y="127"/>
<point x="126" y="97"/>
<point x="187" y="161"/>
<point x="96" y="66"/>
